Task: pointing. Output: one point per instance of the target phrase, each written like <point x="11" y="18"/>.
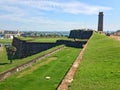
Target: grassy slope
<point x="34" y="78"/>
<point x="100" y="67"/>
<point x="4" y="62"/>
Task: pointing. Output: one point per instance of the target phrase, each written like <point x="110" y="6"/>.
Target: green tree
<point x="11" y="51"/>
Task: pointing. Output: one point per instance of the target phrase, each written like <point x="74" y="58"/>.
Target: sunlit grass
<point x="5" y="41"/>
<point x="34" y="78"/>
<point x="43" y="39"/>
<point x="5" y="63"/>
<point x="100" y="67"/>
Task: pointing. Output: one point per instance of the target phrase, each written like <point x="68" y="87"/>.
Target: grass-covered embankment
<point x="48" y="39"/>
<point x="34" y="78"/>
<point x="100" y="66"/>
<point x="5" y="63"/>
<point x="43" y="39"/>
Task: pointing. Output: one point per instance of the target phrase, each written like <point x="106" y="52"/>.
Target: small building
<point x="2" y="36"/>
<point x="1" y="31"/>
<point x="11" y="34"/>
<point x="117" y="33"/>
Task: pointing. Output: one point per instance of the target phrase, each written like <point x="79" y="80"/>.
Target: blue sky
<point x="58" y="15"/>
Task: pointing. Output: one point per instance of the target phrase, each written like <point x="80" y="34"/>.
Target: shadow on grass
<point x="3" y="63"/>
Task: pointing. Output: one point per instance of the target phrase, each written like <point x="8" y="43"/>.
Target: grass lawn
<point x="100" y="67"/>
<point x="5" y="41"/>
<point x="34" y="77"/>
<point x="5" y="63"/>
<point x="43" y="39"/>
<point x="3" y="56"/>
<point x="49" y="39"/>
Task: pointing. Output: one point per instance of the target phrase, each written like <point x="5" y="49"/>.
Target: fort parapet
<point x="25" y="48"/>
<point x="80" y="34"/>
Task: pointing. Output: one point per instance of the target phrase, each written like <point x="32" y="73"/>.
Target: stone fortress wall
<point x="25" y="48"/>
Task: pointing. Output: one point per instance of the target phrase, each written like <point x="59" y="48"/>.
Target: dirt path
<point x="115" y="37"/>
<point x="71" y="73"/>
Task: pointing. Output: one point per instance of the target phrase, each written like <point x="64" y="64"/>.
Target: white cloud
<point x="20" y="11"/>
<point x="11" y="10"/>
<point x="73" y="7"/>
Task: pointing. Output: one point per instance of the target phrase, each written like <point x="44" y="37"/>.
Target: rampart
<point x="76" y="44"/>
<point x="25" y="48"/>
<point x="80" y="34"/>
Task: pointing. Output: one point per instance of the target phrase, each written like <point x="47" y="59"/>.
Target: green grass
<point x="43" y="39"/>
<point x="100" y="66"/>
<point x="49" y="39"/>
<point x="3" y="55"/>
<point x="5" y="63"/>
<point x="5" y="41"/>
<point x="33" y="78"/>
<point x="26" y="38"/>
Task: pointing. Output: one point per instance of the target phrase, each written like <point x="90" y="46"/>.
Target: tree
<point x="11" y="53"/>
